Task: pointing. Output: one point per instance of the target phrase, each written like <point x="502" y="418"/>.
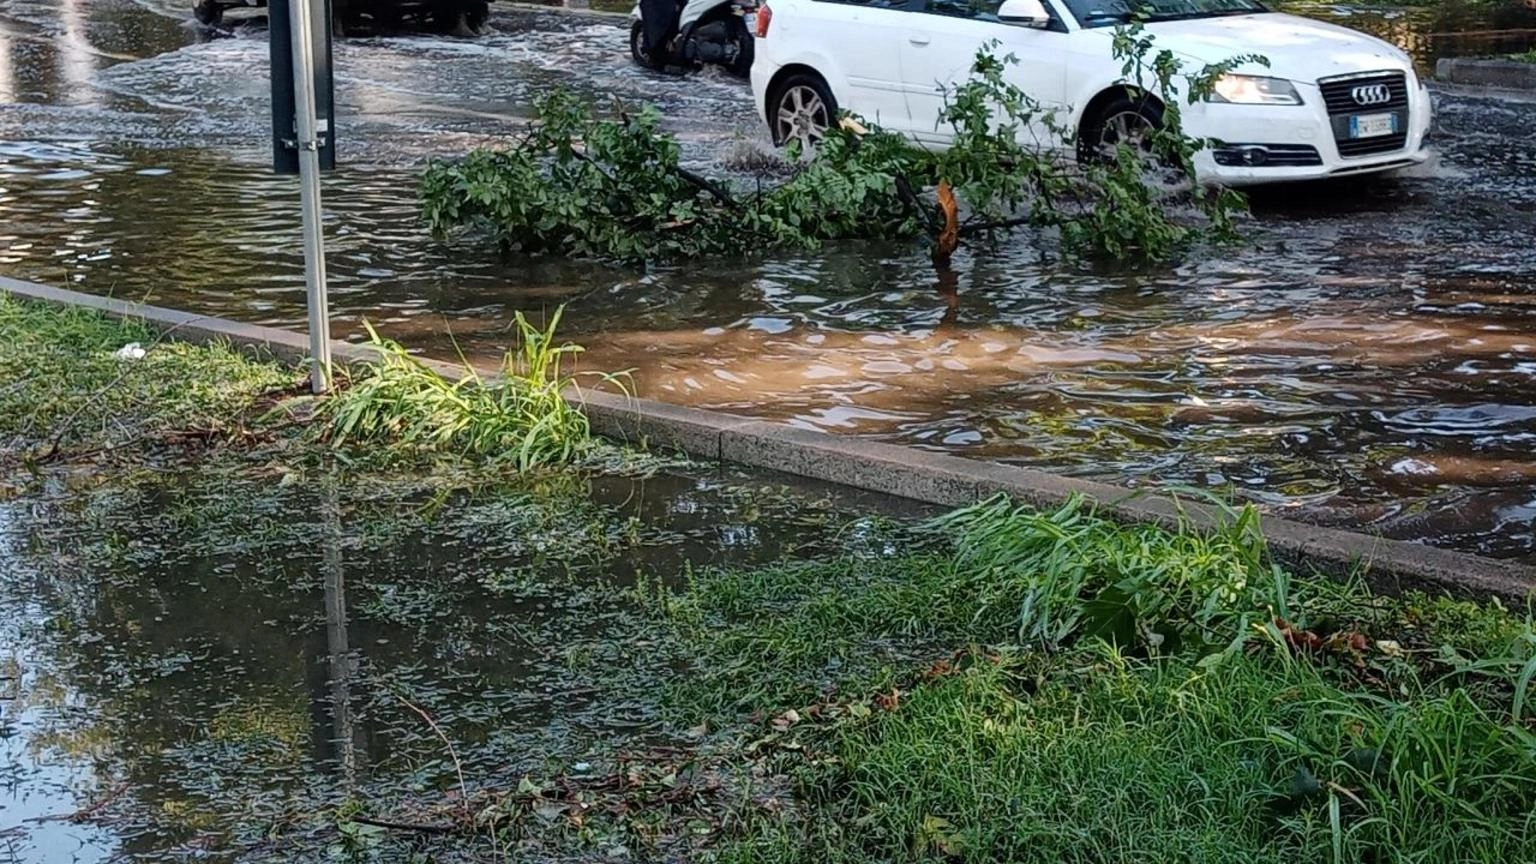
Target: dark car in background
<point x="458" y="17"/>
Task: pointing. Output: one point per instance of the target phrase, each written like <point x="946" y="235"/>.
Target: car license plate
<point x="1372" y="125"/>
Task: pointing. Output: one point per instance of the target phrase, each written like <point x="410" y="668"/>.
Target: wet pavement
<point x="1367" y="360"/>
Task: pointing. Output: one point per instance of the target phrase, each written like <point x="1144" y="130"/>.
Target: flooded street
<point x="204" y="665"/>
<point x="1369" y="359"/>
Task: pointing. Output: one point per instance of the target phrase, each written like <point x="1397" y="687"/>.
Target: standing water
<point x="1367" y="360"/>
<point x="208" y="664"/>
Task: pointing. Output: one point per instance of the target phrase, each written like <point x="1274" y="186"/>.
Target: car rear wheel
<point x="802" y="109"/>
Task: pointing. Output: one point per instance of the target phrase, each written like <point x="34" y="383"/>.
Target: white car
<point x="1332" y="101"/>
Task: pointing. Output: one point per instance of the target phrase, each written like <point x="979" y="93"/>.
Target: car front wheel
<point x="802" y="109"/>
<point x="1127" y="119"/>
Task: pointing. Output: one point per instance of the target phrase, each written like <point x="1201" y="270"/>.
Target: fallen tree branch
<point x="696" y="180"/>
<point x="909" y="198"/>
<point x="418" y="827"/>
<point x="709" y="186"/>
<point x="975" y="228"/>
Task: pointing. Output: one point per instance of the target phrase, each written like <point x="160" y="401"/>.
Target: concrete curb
<point x="905" y="472"/>
<point x="1487" y="72"/>
<point x="580" y="11"/>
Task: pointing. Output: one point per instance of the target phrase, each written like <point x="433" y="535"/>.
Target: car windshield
<point x="1107" y="13"/>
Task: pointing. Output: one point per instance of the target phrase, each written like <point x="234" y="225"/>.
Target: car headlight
<point x="1253" y="90"/>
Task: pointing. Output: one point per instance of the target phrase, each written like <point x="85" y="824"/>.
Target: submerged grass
<point x="520" y="415"/>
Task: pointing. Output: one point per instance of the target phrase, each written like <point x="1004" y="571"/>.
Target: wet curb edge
<point x="1487" y="72"/>
<point x="904" y="472"/>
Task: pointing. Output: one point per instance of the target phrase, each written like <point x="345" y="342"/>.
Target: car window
<point x="982" y="10"/>
<point x="1109" y="13"/>
<point x="878" y="4"/>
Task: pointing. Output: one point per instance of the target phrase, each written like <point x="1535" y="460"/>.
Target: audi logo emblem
<point x="1372" y="94"/>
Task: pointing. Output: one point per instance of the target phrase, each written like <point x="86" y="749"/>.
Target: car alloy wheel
<point x="1125" y="127"/>
<point x="802" y="116"/>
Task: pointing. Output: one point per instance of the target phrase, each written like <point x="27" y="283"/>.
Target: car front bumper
<point x="1282" y="140"/>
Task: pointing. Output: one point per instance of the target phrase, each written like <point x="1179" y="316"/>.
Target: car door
<point x="862" y="35"/>
<point x="940" y="46"/>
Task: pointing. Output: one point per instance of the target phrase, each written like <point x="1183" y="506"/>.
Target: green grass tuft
<point x="1071" y="574"/>
<point x="520" y="415"/>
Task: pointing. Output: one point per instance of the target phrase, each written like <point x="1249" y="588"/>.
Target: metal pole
<point x="300" y="22"/>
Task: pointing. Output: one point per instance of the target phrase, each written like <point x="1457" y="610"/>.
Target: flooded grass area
<point x="215" y="639"/>
<point x="250" y="644"/>
<point x="1365" y="361"/>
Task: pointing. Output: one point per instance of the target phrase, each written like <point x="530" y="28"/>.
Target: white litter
<point x="131" y="351"/>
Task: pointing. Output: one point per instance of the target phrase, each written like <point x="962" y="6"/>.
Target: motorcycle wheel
<point x="637" y="49"/>
<point x="742" y="68"/>
<point x="208" y="13"/>
<point x="476" y="13"/>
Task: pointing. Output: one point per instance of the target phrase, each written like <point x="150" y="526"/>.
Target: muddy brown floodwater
<point x="1367" y="360"/>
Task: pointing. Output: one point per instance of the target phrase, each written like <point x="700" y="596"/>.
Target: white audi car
<point x="1331" y="102"/>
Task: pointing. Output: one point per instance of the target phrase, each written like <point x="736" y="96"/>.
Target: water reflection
<point x="76" y="59"/>
<point x="196" y="664"/>
<point x="1451" y="28"/>
<point x="345" y="736"/>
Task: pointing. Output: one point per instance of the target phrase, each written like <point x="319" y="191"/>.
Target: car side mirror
<point x="1024" y="13"/>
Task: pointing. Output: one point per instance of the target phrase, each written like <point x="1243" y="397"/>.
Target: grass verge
<point x="80" y="385"/>
<point x="1228" y="713"/>
<point x="75" y="381"/>
<point x="1001" y="685"/>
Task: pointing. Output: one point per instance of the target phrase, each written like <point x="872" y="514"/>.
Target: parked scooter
<point x="690" y="33"/>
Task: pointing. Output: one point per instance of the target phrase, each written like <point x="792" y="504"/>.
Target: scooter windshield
<point x="695" y="10"/>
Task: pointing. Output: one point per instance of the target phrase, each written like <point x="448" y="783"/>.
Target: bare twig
<point x="709" y="186"/>
<point x="420" y="828"/>
<point x="87" y="812"/>
<point x="457" y="765"/>
<point x="909" y="197"/>
<point x="975" y="228"/>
